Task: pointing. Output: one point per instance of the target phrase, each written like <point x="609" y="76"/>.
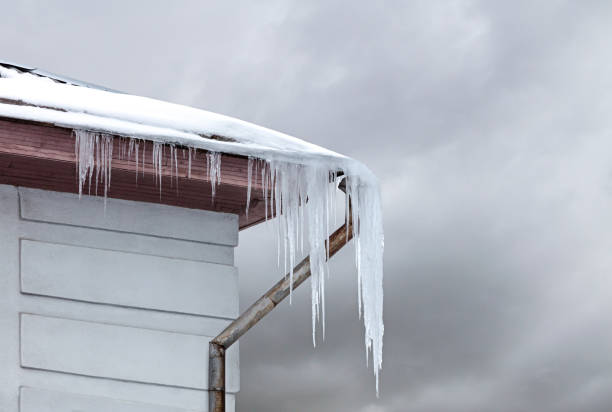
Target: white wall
<point x="111" y="310"/>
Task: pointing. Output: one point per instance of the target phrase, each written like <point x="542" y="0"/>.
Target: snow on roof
<point x="47" y="100"/>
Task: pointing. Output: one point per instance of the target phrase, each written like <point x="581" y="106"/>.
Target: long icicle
<point x="249" y="183"/>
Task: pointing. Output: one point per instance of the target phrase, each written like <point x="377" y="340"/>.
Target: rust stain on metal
<point x="216" y="378"/>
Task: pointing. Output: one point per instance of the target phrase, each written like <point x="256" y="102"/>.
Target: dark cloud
<point x="488" y="126"/>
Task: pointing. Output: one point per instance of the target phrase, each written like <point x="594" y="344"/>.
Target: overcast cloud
<point x="489" y="125"/>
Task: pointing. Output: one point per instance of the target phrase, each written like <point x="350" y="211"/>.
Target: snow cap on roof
<point x="64" y="104"/>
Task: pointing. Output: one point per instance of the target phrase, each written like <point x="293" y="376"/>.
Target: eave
<point x="42" y="156"/>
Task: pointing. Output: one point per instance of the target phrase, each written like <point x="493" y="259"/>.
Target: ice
<point x="249" y="183"/>
<point x="157" y="158"/>
<point x="136" y="145"/>
<point x="94" y="154"/>
<point x="173" y="166"/>
<point x="369" y="245"/>
<point x="213" y="166"/>
<point x="176" y="173"/>
<point x="317" y="211"/>
<point x="132" y="152"/>
<point x="304" y="195"/>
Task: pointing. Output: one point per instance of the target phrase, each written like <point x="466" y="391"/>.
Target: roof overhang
<point x="38" y="155"/>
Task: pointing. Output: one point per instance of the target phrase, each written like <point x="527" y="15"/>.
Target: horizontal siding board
<point x="40" y="400"/>
<point x="121" y="315"/>
<point x="119" y="352"/>
<point x="180" y="398"/>
<point x="118" y="215"/>
<point x="127" y="242"/>
<point x="128" y="279"/>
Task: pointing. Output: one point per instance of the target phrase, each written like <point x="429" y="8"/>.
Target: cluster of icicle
<point x="302" y="197"/>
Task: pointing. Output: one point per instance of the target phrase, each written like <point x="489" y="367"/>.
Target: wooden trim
<point x="42" y="156"/>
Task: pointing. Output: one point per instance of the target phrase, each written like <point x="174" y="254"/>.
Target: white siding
<point x="36" y="400"/>
<point x="128" y="279"/>
<point x="111" y="310"/>
<point x="128" y="216"/>
<point x="117" y="352"/>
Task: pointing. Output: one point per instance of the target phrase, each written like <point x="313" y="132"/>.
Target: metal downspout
<point x="219" y="345"/>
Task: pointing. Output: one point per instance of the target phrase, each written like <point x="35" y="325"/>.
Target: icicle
<point x="84" y="152"/>
<point x="176" y="175"/>
<point x="172" y="151"/>
<point x="130" y="150"/>
<point x="144" y="146"/>
<point x="136" y="144"/>
<point x="121" y="148"/>
<point x="369" y="245"/>
<point x="276" y="201"/>
<point x="157" y="155"/>
<point x="94" y="155"/>
<point x="316" y="181"/>
<point x="108" y="164"/>
<point x="98" y="156"/>
<point x="264" y="187"/>
<point x="289" y="186"/>
<point x="213" y="166"/>
<point x="189" y="162"/>
<point x="347" y="203"/>
<point x="249" y="177"/>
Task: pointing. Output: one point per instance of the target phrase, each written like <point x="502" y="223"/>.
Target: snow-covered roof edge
<point x="296" y="170"/>
<point x="43" y="99"/>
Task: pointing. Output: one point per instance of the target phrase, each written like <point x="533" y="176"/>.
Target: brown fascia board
<point x="42" y="156"/>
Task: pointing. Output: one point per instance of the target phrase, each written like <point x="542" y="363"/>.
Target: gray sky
<point x="489" y="126"/>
